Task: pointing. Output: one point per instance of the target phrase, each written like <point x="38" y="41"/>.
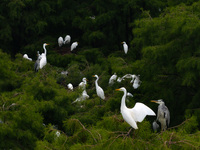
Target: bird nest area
<point x="65" y="50"/>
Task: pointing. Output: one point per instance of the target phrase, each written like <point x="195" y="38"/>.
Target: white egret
<point x="26" y="57"/>
<point x="112" y="79"/>
<point x="74" y="45"/>
<point x="119" y="79"/>
<point x="67" y="39"/>
<point x="70" y="86"/>
<point x="99" y="90"/>
<point x="135" y="114"/>
<point x="163" y="114"/>
<point x="64" y="73"/>
<point x="83" y="97"/>
<point x="57" y="133"/>
<point x="82" y="85"/>
<point x="129" y="94"/>
<point x="136" y="82"/>
<point x="60" y="41"/>
<point x="43" y="56"/>
<point x="125" y="46"/>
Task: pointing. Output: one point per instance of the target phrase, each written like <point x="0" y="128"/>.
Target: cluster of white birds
<point x="135" y="80"/>
<point x="67" y="40"/>
<point x="130" y="115"/>
<point x="42" y="59"/>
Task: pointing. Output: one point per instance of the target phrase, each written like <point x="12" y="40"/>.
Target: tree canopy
<point x="37" y="109"/>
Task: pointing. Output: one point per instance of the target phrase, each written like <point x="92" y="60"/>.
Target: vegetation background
<point x="163" y="38"/>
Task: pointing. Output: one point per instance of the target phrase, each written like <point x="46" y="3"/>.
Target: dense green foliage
<point x="164" y="50"/>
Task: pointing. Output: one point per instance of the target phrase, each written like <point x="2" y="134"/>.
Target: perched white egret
<point x="119" y="79"/>
<point x="67" y="39"/>
<point x="129" y="94"/>
<point x="125" y="46"/>
<point x="136" y="82"/>
<point x="135" y="114"/>
<point x="70" y="86"/>
<point x="82" y="85"/>
<point x="26" y="57"/>
<point x="163" y="114"/>
<point x="43" y="56"/>
<point x="112" y="79"/>
<point x="74" y="45"/>
<point x="83" y="97"/>
<point x="57" y="133"/>
<point x="99" y="90"/>
<point x="60" y="41"/>
<point x="64" y="73"/>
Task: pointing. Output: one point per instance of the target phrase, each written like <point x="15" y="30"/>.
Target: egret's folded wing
<point x="139" y="112"/>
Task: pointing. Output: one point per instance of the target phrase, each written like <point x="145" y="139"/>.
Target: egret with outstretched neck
<point x="135" y="114"/>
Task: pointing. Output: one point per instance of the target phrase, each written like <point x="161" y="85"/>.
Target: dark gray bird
<point x="163" y="114"/>
<point x="37" y="63"/>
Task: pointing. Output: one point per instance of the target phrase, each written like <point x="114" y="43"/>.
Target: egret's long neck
<point x="96" y="82"/>
<point x="123" y="104"/>
<point x="45" y="51"/>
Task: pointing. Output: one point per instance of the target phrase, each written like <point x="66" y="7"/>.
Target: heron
<point x="99" y="90"/>
<point x="125" y="47"/>
<point x="163" y="114"/>
<point x="37" y="63"/>
<point x="135" y="114"/>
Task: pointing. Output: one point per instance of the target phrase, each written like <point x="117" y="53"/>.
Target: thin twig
<point x="85" y="129"/>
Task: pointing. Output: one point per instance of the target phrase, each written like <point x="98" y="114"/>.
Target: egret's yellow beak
<point x="48" y="44"/>
<point x="154" y="101"/>
<point x="93" y="75"/>
<point x="122" y="42"/>
<point x="117" y="89"/>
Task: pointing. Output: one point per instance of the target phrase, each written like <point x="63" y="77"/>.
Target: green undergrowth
<point x="35" y="107"/>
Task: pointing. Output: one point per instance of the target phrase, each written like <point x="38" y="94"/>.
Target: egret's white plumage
<point x="83" y="97"/>
<point x="119" y="79"/>
<point x="74" y="45"/>
<point x="112" y="79"/>
<point x="64" y="73"/>
<point x="26" y="57"/>
<point x="125" y="46"/>
<point x="43" y="56"/>
<point x="57" y="133"/>
<point x="83" y="83"/>
<point x="60" y="41"/>
<point x="70" y="86"/>
<point x="99" y="90"/>
<point x="67" y="39"/>
<point x="136" y="82"/>
<point x="135" y="114"/>
<point x="129" y="94"/>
